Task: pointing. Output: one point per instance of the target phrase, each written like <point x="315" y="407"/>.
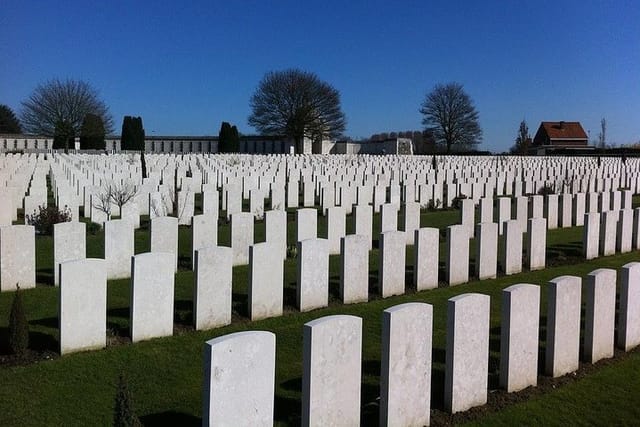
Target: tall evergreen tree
<point x="9" y="123"/>
<point x="92" y="133"/>
<point x="126" y="136"/>
<point x="224" y="138"/>
<point x="18" y="326"/>
<point x="234" y="140"/>
<point x="132" y="136"/>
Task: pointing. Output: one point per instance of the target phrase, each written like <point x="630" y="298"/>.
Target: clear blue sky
<point x="186" y="67"/>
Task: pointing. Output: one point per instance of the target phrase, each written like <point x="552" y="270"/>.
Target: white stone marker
<point x="354" y="269"/>
<point x="486" y="209"/>
<point x="551" y="211"/>
<point x="629" y="312"/>
<point x="266" y="281"/>
<point x="467" y="215"/>
<point x="69" y="243"/>
<point x="624" y="231"/>
<point x="457" y="255"/>
<point x="131" y="212"/>
<point x="186" y="207"/>
<point x="392" y="260"/>
<point x="426" y="253"/>
<point x="312" y="290"/>
<point x="275" y="224"/>
<point x="608" y="228"/>
<point x="566" y="203"/>
<point x="563" y="325"/>
<point x="363" y="217"/>
<point x="503" y="213"/>
<point x="6" y="209"/>
<point x="467" y="353"/>
<point x="118" y="248"/>
<point x="241" y="237"/>
<point x="389" y="217"/>
<point x="536" y="207"/>
<point x="306" y="224"/>
<point x="332" y="356"/>
<point x="579" y="209"/>
<point x="83" y="305"/>
<point x="336" y="228"/>
<point x="600" y="312"/>
<point x="486" y="250"/>
<point x="164" y="237"/>
<point x="152" y="278"/>
<point x="17" y="257"/>
<point x="522" y="210"/>
<point x="239" y="380"/>
<point x="411" y="221"/>
<point x="204" y="233"/>
<point x="512" y="255"/>
<point x="405" y="374"/>
<point x="212" y="287"/>
<point x="537" y="243"/>
<point x="591" y="235"/>
<point x="210" y="204"/>
<point x="519" y="337"/>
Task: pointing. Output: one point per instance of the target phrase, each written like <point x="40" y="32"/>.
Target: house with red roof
<point x="554" y="135"/>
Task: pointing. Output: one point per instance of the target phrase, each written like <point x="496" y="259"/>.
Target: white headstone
<point x="239" y="380"/>
<point x="69" y="243"/>
<point x="426" y="251"/>
<point x="392" y="263"/>
<point x="312" y="289"/>
<point x="152" y="277"/>
<point x="600" y="314"/>
<point x="83" y="305"/>
<point x="331" y="376"/>
<point x="266" y="281"/>
<point x="629" y="312"/>
<point x="563" y="325"/>
<point x="405" y="375"/>
<point x="212" y="287"/>
<point x="467" y="353"/>
<point x="519" y="336"/>
<point x="17" y="257"/>
<point x="354" y="269"/>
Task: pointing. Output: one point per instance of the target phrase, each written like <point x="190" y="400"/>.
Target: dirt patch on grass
<point x="28" y="358"/>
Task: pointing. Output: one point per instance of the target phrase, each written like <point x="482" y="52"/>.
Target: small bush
<point x="433" y="205"/>
<point x="18" y="326"/>
<point x="292" y="251"/>
<point x="44" y="219"/>
<point x="123" y="413"/>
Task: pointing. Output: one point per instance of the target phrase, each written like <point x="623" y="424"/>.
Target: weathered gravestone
<point x="405" y="374"/>
<point x="239" y="380"/>
<point x="332" y="356"/>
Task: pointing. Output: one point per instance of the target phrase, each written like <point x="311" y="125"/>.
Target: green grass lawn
<point x="165" y="375"/>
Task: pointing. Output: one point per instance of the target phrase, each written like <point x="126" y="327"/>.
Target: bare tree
<point x="296" y="104"/>
<point x="451" y="116"/>
<point x="60" y="106"/>
<point x="118" y="194"/>
<point x="602" y="136"/>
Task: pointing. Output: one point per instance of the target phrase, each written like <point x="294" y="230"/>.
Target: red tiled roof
<point x="564" y="130"/>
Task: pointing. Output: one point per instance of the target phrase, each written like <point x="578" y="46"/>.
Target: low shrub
<point x="44" y="219"/>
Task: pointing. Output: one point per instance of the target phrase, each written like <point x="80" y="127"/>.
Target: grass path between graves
<point x="165" y="375"/>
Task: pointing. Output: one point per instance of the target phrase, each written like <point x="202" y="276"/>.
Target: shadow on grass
<point x="170" y="418"/>
<point x="287" y="410"/>
<point x="44" y="276"/>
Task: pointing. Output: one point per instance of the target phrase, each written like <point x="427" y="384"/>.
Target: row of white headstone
<point x="239" y="368"/>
